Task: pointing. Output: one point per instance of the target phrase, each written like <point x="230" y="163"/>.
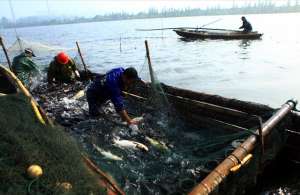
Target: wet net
<point x="24" y="141"/>
<point x="180" y="154"/>
<point x="44" y="55"/>
<point x="43" y="51"/>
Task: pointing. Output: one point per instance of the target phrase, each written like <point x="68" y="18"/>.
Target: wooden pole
<point x="211" y="182"/>
<point x="174" y="28"/>
<point x="5" y="52"/>
<point x="191" y="28"/>
<point x="103" y="175"/>
<point x="81" y="57"/>
<point x="149" y="64"/>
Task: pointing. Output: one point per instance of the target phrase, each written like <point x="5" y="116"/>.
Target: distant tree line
<point x="257" y="8"/>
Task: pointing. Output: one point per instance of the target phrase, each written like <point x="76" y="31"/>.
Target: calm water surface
<point x="265" y="71"/>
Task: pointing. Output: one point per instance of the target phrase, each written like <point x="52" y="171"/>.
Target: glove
<point x="134" y="127"/>
<point x="137" y="119"/>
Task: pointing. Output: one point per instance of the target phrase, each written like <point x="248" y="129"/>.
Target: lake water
<point x="265" y="71"/>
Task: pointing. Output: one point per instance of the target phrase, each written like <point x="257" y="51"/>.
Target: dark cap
<point x="131" y="73"/>
<point x="29" y="51"/>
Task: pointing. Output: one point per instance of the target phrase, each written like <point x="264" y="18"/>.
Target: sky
<point x="89" y="8"/>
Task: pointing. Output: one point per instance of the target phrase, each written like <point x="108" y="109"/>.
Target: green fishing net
<point x="25" y="141"/>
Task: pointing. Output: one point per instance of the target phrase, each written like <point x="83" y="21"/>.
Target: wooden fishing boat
<point x="11" y="85"/>
<point x="240" y="167"/>
<point x="217" y="34"/>
<point x="206" y="110"/>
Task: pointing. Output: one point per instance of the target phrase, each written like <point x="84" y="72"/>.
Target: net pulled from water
<point x="25" y="141"/>
<point x="44" y="52"/>
<point x="178" y="156"/>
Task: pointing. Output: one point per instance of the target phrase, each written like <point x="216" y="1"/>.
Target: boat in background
<point x="210" y="33"/>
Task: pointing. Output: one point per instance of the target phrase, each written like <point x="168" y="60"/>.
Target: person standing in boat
<point x="62" y="69"/>
<point x="246" y="25"/>
<point x="24" y="67"/>
<point x="109" y="87"/>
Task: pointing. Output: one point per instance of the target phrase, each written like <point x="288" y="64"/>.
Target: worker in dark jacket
<point x="24" y="67"/>
<point x="62" y="69"/>
<point x="109" y="87"/>
<point x="246" y="25"/>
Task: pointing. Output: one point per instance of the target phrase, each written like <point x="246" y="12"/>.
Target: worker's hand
<point x="144" y="82"/>
<point x="133" y="122"/>
<point x="134" y="128"/>
<point x="77" y="74"/>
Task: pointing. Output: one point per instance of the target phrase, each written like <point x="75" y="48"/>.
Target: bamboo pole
<point x="174" y="28"/>
<point x="13" y="79"/>
<point x="197" y="104"/>
<point x="134" y="96"/>
<point x="81" y="57"/>
<point x="191" y="28"/>
<point x="211" y="182"/>
<point x="5" y="53"/>
<point x="104" y="176"/>
<point x="150" y="64"/>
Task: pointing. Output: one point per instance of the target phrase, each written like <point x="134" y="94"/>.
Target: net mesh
<point x="44" y="52"/>
<point x="24" y="141"/>
<point x="180" y="154"/>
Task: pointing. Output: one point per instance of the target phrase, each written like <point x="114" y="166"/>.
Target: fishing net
<point x="44" y="52"/>
<point x="180" y="153"/>
<point x="25" y="141"/>
<point x="44" y="55"/>
<point x="39" y="49"/>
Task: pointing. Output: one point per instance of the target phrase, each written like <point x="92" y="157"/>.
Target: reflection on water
<point x="244" y="45"/>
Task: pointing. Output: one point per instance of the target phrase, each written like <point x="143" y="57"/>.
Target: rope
<point x="15" y="23"/>
<point x="30" y="184"/>
<point x="143" y="65"/>
<point x="47" y="5"/>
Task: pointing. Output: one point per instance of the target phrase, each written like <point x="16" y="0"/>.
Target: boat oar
<point x="172" y="28"/>
<point x="154" y="29"/>
<point x="213" y="22"/>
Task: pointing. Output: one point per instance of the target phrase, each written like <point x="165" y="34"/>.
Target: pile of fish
<point x="160" y="156"/>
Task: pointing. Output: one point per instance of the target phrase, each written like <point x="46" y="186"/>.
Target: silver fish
<point x="130" y="145"/>
<point x="78" y="95"/>
<point x="107" y="154"/>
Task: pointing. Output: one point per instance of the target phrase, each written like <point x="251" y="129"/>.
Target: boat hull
<point x="223" y="114"/>
<point x="215" y="35"/>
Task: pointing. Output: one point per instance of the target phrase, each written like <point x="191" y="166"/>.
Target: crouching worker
<point x="62" y="69"/>
<point x="109" y="87"/>
<point x="24" y="67"/>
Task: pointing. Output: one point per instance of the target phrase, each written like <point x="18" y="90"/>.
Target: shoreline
<point x="145" y="18"/>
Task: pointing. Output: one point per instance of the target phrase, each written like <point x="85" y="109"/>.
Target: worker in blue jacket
<point x="109" y="87"/>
